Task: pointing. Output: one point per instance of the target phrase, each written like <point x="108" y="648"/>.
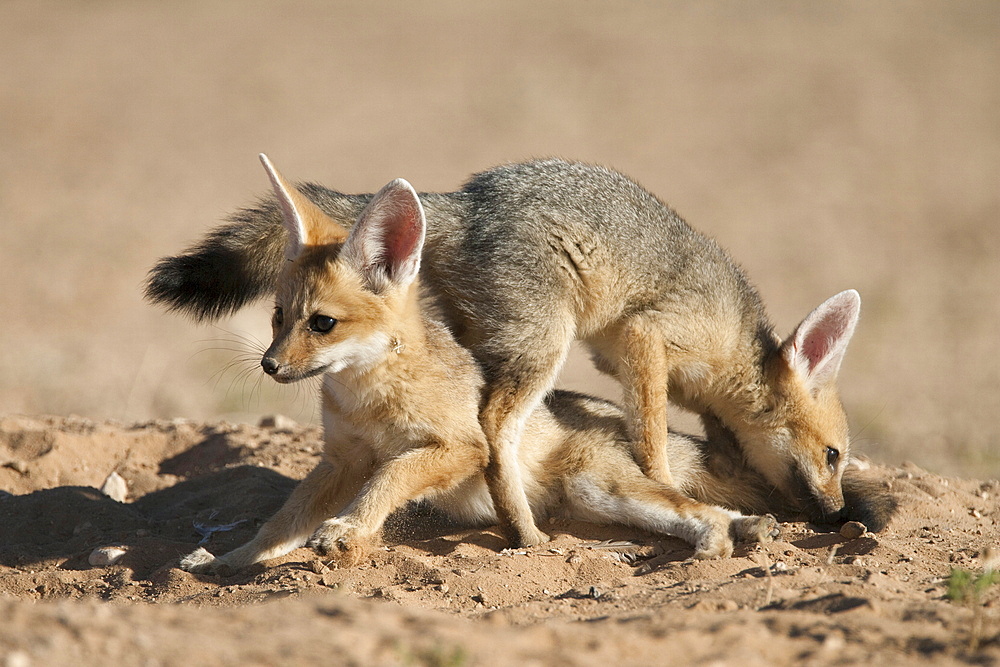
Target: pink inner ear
<point x="820" y="340"/>
<point x="401" y="239"/>
<point x="816" y="347"/>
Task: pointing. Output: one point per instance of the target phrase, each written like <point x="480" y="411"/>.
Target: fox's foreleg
<point x="417" y="473"/>
<point x="317" y="497"/>
<point x="643" y="368"/>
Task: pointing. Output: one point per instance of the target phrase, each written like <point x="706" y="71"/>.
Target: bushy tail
<point x="234" y="265"/>
<point x="867" y="500"/>
<point x="238" y="262"/>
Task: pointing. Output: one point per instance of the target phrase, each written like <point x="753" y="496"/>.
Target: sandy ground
<point x="826" y="146"/>
<point x="434" y="595"/>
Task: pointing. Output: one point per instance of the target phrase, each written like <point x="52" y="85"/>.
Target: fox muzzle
<point x="270" y="365"/>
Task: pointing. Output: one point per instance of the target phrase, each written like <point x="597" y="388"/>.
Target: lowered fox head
<point x="800" y="441"/>
<point x="341" y="296"/>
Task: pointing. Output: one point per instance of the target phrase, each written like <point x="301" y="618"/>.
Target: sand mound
<point x="440" y="596"/>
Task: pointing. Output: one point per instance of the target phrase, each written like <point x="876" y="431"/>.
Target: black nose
<point x="824" y="516"/>
<point x="269" y="365"/>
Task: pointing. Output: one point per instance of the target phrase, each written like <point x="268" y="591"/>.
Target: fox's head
<point x="342" y="297"/>
<point x="800" y="442"/>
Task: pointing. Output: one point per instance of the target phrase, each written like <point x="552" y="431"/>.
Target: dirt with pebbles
<point x="85" y="577"/>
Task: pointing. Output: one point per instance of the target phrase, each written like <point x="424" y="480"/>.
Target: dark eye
<point x="321" y="323"/>
<point x="832" y="456"/>
<point x="278" y="318"/>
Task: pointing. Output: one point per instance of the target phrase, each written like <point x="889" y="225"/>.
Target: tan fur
<point x="526" y="258"/>
<point x="711" y="471"/>
<point x="401" y="418"/>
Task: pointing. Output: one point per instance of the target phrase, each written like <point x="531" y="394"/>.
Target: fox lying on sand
<point x="401" y="399"/>
<point x="528" y="257"/>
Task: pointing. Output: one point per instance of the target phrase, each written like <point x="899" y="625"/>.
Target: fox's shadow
<point x="68" y="522"/>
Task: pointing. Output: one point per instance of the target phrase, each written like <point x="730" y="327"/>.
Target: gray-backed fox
<point x="524" y="259"/>
<point x="401" y="406"/>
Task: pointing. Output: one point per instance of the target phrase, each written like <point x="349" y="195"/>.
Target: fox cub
<point x="400" y="400"/>
<point x="524" y="259"/>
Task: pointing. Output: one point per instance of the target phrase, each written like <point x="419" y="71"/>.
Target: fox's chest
<point x="354" y="422"/>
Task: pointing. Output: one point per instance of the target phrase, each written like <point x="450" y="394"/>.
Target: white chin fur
<point x="358" y="354"/>
<point x="771" y="456"/>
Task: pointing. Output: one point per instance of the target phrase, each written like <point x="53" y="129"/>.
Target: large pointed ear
<point x="306" y="223"/>
<point x="386" y="241"/>
<point x="816" y="348"/>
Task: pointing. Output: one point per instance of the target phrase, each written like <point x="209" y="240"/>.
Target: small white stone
<point x="852" y="530"/>
<point x="17" y="659"/>
<point x="104" y="556"/>
<point x="115" y="487"/>
<point x="277" y="422"/>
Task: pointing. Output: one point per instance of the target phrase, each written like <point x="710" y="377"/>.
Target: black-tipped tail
<point x="866" y="499"/>
<point x="233" y="266"/>
<point x="238" y="262"/>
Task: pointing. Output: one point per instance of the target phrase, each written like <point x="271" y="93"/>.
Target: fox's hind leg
<point x="317" y="497"/>
<point x="654" y="507"/>
<point x="517" y="380"/>
<point x="621" y="494"/>
<point x="503" y="417"/>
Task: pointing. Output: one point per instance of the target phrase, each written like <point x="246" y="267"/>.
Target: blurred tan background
<point x="826" y="145"/>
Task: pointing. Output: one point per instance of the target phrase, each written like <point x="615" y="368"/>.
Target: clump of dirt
<point x="434" y="594"/>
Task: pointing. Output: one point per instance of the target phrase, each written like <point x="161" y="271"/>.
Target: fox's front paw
<point x="338" y="538"/>
<point x="715" y="543"/>
<point x="755" y="528"/>
<point x="200" y="561"/>
<point x="767" y="528"/>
